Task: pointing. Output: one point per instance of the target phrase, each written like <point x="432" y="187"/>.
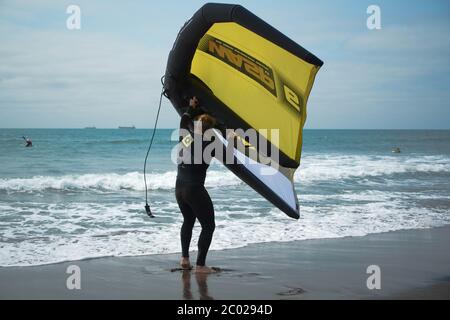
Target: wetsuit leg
<point x="188" y="220"/>
<point x="202" y="207"/>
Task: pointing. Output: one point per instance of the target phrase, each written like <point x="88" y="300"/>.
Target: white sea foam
<point x="335" y="167"/>
<point x="109" y="182"/>
<point x="40" y="233"/>
<point x="313" y="169"/>
<point x="33" y="233"/>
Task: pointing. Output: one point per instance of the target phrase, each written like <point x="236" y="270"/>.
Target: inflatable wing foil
<point x="248" y="75"/>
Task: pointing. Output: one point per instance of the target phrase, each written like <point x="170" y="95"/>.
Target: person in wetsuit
<point x="192" y="198"/>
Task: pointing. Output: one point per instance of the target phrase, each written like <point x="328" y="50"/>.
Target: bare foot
<point x="207" y="270"/>
<point x="185" y="264"/>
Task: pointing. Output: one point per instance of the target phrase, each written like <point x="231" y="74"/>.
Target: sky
<point x="108" y="72"/>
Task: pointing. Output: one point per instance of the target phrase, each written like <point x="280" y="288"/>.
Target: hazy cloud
<point x="108" y="73"/>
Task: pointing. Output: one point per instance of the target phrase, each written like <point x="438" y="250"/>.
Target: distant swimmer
<point x="28" y="142"/>
<point x="396" y="150"/>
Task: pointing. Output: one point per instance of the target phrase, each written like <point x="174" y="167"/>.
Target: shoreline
<point x="415" y="264"/>
<point x="193" y="244"/>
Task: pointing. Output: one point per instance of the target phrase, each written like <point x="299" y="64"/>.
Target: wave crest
<point x="313" y="169"/>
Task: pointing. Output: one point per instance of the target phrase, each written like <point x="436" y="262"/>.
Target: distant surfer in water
<point x="28" y="142"/>
<point x="191" y="195"/>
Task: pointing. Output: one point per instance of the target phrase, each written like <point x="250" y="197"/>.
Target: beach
<point x="414" y="264"/>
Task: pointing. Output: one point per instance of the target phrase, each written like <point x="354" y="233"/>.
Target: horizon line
<point x="172" y="128"/>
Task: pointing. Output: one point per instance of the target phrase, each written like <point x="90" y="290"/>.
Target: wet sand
<point x="414" y="264"/>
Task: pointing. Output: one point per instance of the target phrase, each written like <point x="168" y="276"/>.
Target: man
<point x="28" y="142"/>
<point x="193" y="199"/>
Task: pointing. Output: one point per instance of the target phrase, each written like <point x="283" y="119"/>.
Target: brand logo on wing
<point x="241" y="61"/>
<point x="252" y="68"/>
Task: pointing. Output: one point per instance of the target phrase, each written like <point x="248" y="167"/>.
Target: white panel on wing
<point x="270" y="177"/>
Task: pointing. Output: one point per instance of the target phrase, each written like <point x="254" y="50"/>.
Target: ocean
<point x="79" y="193"/>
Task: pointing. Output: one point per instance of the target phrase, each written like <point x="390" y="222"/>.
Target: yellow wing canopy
<point x="249" y="76"/>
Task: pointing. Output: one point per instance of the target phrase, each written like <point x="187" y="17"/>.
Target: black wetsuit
<point x="192" y="197"/>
